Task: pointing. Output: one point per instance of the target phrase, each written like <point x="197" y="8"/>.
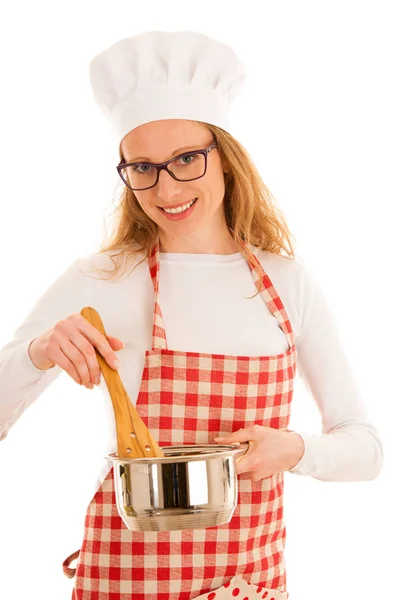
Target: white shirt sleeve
<point x="349" y="448"/>
<point x="21" y="382"/>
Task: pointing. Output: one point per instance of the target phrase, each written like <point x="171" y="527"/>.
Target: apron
<point x="190" y="398"/>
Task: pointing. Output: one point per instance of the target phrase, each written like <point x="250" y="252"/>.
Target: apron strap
<point x="69" y="572"/>
<point x="268" y="293"/>
<point x="159" y="338"/>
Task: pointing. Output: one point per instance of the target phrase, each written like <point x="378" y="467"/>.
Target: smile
<point x="180" y="209"/>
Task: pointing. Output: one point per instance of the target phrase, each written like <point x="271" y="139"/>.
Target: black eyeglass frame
<point x="164" y="165"/>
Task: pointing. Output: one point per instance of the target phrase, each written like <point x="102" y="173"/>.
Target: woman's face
<point x="159" y="141"/>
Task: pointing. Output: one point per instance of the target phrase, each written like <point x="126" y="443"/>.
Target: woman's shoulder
<point x="102" y="264"/>
<point x="297" y="281"/>
<point x="281" y="266"/>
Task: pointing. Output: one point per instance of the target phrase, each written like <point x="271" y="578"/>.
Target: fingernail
<point x="218" y="439"/>
<point x="116" y="364"/>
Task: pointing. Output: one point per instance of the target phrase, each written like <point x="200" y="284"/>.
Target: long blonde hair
<point x="251" y="211"/>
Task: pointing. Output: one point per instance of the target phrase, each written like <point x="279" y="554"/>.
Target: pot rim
<point x="218" y="450"/>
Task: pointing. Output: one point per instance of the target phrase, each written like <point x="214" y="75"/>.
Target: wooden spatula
<point x="133" y="438"/>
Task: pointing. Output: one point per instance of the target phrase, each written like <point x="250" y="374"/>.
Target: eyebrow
<point x="142" y="158"/>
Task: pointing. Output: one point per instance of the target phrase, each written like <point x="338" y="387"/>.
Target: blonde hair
<point x="251" y="211"/>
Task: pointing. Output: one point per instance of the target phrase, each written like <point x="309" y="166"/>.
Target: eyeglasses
<point x="133" y="175"/>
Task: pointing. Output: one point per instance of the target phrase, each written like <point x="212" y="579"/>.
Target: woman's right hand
<point x="71" y="344"/>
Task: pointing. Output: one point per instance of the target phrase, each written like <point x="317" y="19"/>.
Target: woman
<point x="209" y="286"/>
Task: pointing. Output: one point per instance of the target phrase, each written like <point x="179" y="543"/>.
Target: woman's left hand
<point x="271" y="450"/>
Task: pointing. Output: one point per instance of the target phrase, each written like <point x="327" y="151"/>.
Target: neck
<point x="199" y="243"/>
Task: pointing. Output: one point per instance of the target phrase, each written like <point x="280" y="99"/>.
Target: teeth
<point x="176" y="211"/>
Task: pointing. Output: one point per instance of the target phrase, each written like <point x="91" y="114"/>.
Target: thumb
<point x="115" y="343"/>
<point x="242" y="435"/>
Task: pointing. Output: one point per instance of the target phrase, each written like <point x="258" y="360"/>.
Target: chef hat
<point x="165" y="75"/>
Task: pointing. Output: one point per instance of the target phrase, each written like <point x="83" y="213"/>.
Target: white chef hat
<point x="165" y="75"/>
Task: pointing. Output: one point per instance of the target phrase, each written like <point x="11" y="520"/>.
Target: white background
<point x="319" y="114"/>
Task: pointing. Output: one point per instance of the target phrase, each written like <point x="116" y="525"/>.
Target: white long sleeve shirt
<point x="204" y="305"/>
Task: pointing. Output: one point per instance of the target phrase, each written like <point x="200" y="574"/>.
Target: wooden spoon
<point x="133" y="437"/>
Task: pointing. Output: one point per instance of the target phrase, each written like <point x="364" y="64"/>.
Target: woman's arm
<point x="349" y="448"/>
<point x="21" y="382"/>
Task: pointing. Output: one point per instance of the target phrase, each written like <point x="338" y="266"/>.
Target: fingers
<point x="72" y="345"/>
<point x="115" y="342"/>
<point x="242" y="465"/>
<point x="245" y="460"/>
<point x="81" y="354"/>
<point x="97" y="340"/>
<point x="61" y="359"/>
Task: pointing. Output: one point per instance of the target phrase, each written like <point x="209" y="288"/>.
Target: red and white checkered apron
<point x="190" y="398"/>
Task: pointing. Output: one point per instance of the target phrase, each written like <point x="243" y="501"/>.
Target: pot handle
<point x="241" y="449"/>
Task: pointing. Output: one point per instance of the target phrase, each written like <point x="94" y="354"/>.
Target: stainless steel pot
<point x="191" y="487"/>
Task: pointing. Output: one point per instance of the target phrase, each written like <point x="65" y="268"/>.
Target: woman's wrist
<point x="297" y="449"/>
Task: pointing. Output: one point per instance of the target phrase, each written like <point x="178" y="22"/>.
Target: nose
<point x="167" y="186"/>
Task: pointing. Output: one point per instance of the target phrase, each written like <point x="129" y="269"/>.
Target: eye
<point x="137" y="168"/>
<point x="187" y="156"/>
